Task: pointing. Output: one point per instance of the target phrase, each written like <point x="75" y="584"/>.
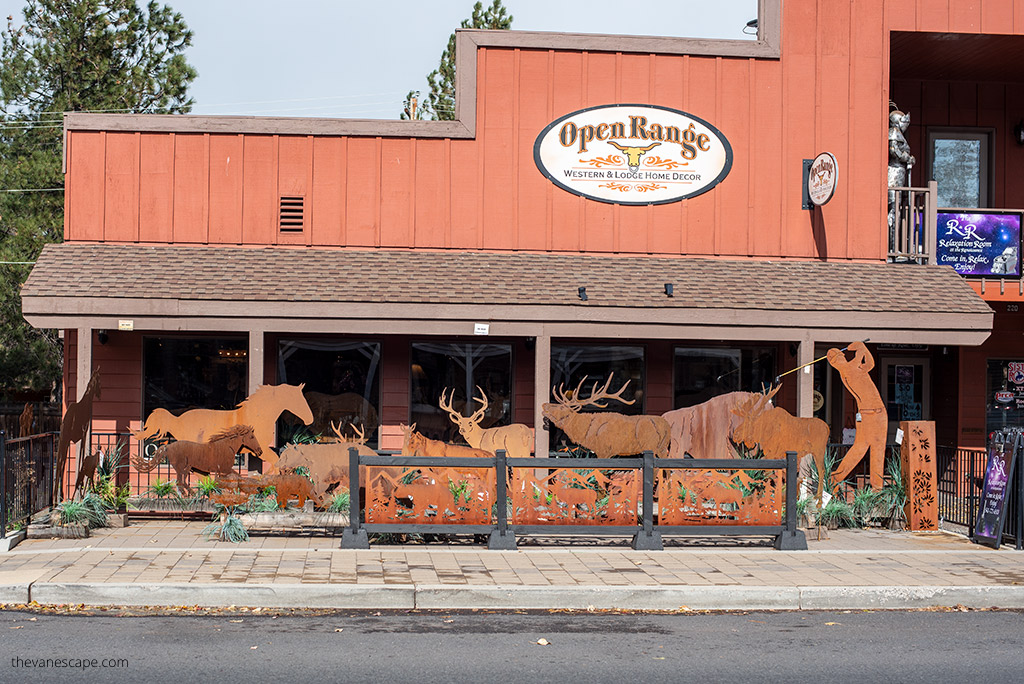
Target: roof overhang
<point x="206" y="288"/>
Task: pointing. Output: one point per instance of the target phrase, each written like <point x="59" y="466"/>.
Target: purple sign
<point x="988" y="529"/>
<point x="979" y="244"/>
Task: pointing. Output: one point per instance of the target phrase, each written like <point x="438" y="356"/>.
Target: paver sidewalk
<point x="170" y="562"/>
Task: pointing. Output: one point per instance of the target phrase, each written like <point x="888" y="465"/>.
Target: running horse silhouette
<point x="260" y="410"/>
<point x="74" y="427"/>
<point x="216" y="456"/>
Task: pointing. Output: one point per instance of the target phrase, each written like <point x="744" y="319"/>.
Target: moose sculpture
<point x="702" y="431"/>
<point x="515" y="439"/>
<point x="776" y="431"/>
<point x="607" y="434"/>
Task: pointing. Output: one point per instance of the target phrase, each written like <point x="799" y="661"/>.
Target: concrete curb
<point x="223" y="595"/>
<point x="608" y="597"/>
<point x="11" y="540"/>
<point x="515" y="597"/>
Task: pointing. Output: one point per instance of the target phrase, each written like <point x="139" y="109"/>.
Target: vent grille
<point x="291" y="215"/>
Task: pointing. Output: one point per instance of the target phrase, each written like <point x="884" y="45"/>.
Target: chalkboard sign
<point x="1002" y="454"/>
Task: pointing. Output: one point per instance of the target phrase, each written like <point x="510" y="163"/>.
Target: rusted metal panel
<point x="430" y="495"/>
<point x="872" y="420"/>
<point x="575" y="496"/>
<point x="716" y="497"/>
<point x="516" y="439"/>
<point x="918" y="463"/>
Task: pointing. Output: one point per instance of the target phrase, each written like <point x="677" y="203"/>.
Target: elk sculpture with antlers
<point x="607" y="434"/>
<point x="515" y="439"/>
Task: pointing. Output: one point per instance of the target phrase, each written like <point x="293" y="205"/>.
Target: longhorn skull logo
<point x="633" y="154"/>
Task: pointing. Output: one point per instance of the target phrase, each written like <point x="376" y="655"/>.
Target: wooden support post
<point x="541" y="392"/>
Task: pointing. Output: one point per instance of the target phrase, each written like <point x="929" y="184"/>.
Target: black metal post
<point x="501" y="539"/>
<point x="971" y="498"/>
<point x="647" y="539"/>
<point x="1019" y="445"/>
<point x="3" y="484"/>
<point x="791" y="539"/>
<point x="354" y="536"/>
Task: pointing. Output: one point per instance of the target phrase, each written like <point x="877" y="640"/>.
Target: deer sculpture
<point x="516" y="439"/>
<point x="415" y="444"/>
<point x="777" y="431"/>
<point x="607" y="434"/>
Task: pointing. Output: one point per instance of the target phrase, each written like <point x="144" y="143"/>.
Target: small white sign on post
<point x="482" y="329"/>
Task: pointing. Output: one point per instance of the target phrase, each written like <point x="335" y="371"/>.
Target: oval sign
<point x="633" y="154"/>
<point x="822" y="177"/>
<point x="1004" y="397"/>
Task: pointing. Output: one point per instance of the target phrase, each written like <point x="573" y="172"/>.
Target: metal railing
<point x="961" y="478"/>
<point x="647" y="532"/>
<point x="26" y="477"/>
<point x="912" y="235"/>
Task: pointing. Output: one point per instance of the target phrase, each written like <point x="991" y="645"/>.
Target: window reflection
<point x="440" y="366"/>
<point x="342" y="386"/>
<point x="179" y="374"/>
<point x="704" y="373"/>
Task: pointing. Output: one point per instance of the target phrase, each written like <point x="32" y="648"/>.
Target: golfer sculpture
<point x="872" y="421"/>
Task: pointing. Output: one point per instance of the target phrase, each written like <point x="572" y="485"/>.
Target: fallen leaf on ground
<point x="236" y="621"/>
<point x="339" y="629"/>
<point x="543" y="642"/>
<point x="253" y="648"/>
<point x="833" y="623"/>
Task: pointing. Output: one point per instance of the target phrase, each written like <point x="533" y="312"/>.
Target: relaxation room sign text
<point x="633" y="154"/>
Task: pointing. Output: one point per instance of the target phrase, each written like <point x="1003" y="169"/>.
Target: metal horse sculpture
<point x="216" y="456"/>
<point x="260" y="410"/>
<point x="74" y="427"/>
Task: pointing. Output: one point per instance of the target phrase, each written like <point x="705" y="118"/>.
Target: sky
<point x="359" y="58"/>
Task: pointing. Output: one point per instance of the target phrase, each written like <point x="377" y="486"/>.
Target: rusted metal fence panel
<point x="575" y="496"/>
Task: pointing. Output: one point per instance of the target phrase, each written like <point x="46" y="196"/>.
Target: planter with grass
<point x="71" y="519"/>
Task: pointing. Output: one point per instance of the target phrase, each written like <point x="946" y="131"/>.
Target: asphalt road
<point x="320" y="647"/>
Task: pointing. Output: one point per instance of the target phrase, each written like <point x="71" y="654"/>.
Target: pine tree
<point x="67" y="55"/>
<point x="439" y="104"/>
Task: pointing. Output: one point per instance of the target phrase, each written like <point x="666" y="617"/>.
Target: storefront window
<point x="703" y="373"/>
<point x="571" y="363"/>
<point x="1004" y="403"/>
<point x="186" y="373"/>
<point x="960" y="164"/>
<point x="342" y="386"/>
<point x="440" y="366"/>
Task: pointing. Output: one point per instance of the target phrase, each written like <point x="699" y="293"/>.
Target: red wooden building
<point x="207" y="255"/>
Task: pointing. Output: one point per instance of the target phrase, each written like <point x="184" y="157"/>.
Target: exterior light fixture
<point x="669" y="289"/>
<point x="102" y="337"/>
<point x="583" y="293"/>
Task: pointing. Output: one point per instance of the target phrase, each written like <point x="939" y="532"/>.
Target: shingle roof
<point x="323" y="275"/>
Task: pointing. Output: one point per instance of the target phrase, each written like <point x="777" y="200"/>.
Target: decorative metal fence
<point x="961" y="474"/>
<point x="503" y="497"/>
<point x="26" y="477"/>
